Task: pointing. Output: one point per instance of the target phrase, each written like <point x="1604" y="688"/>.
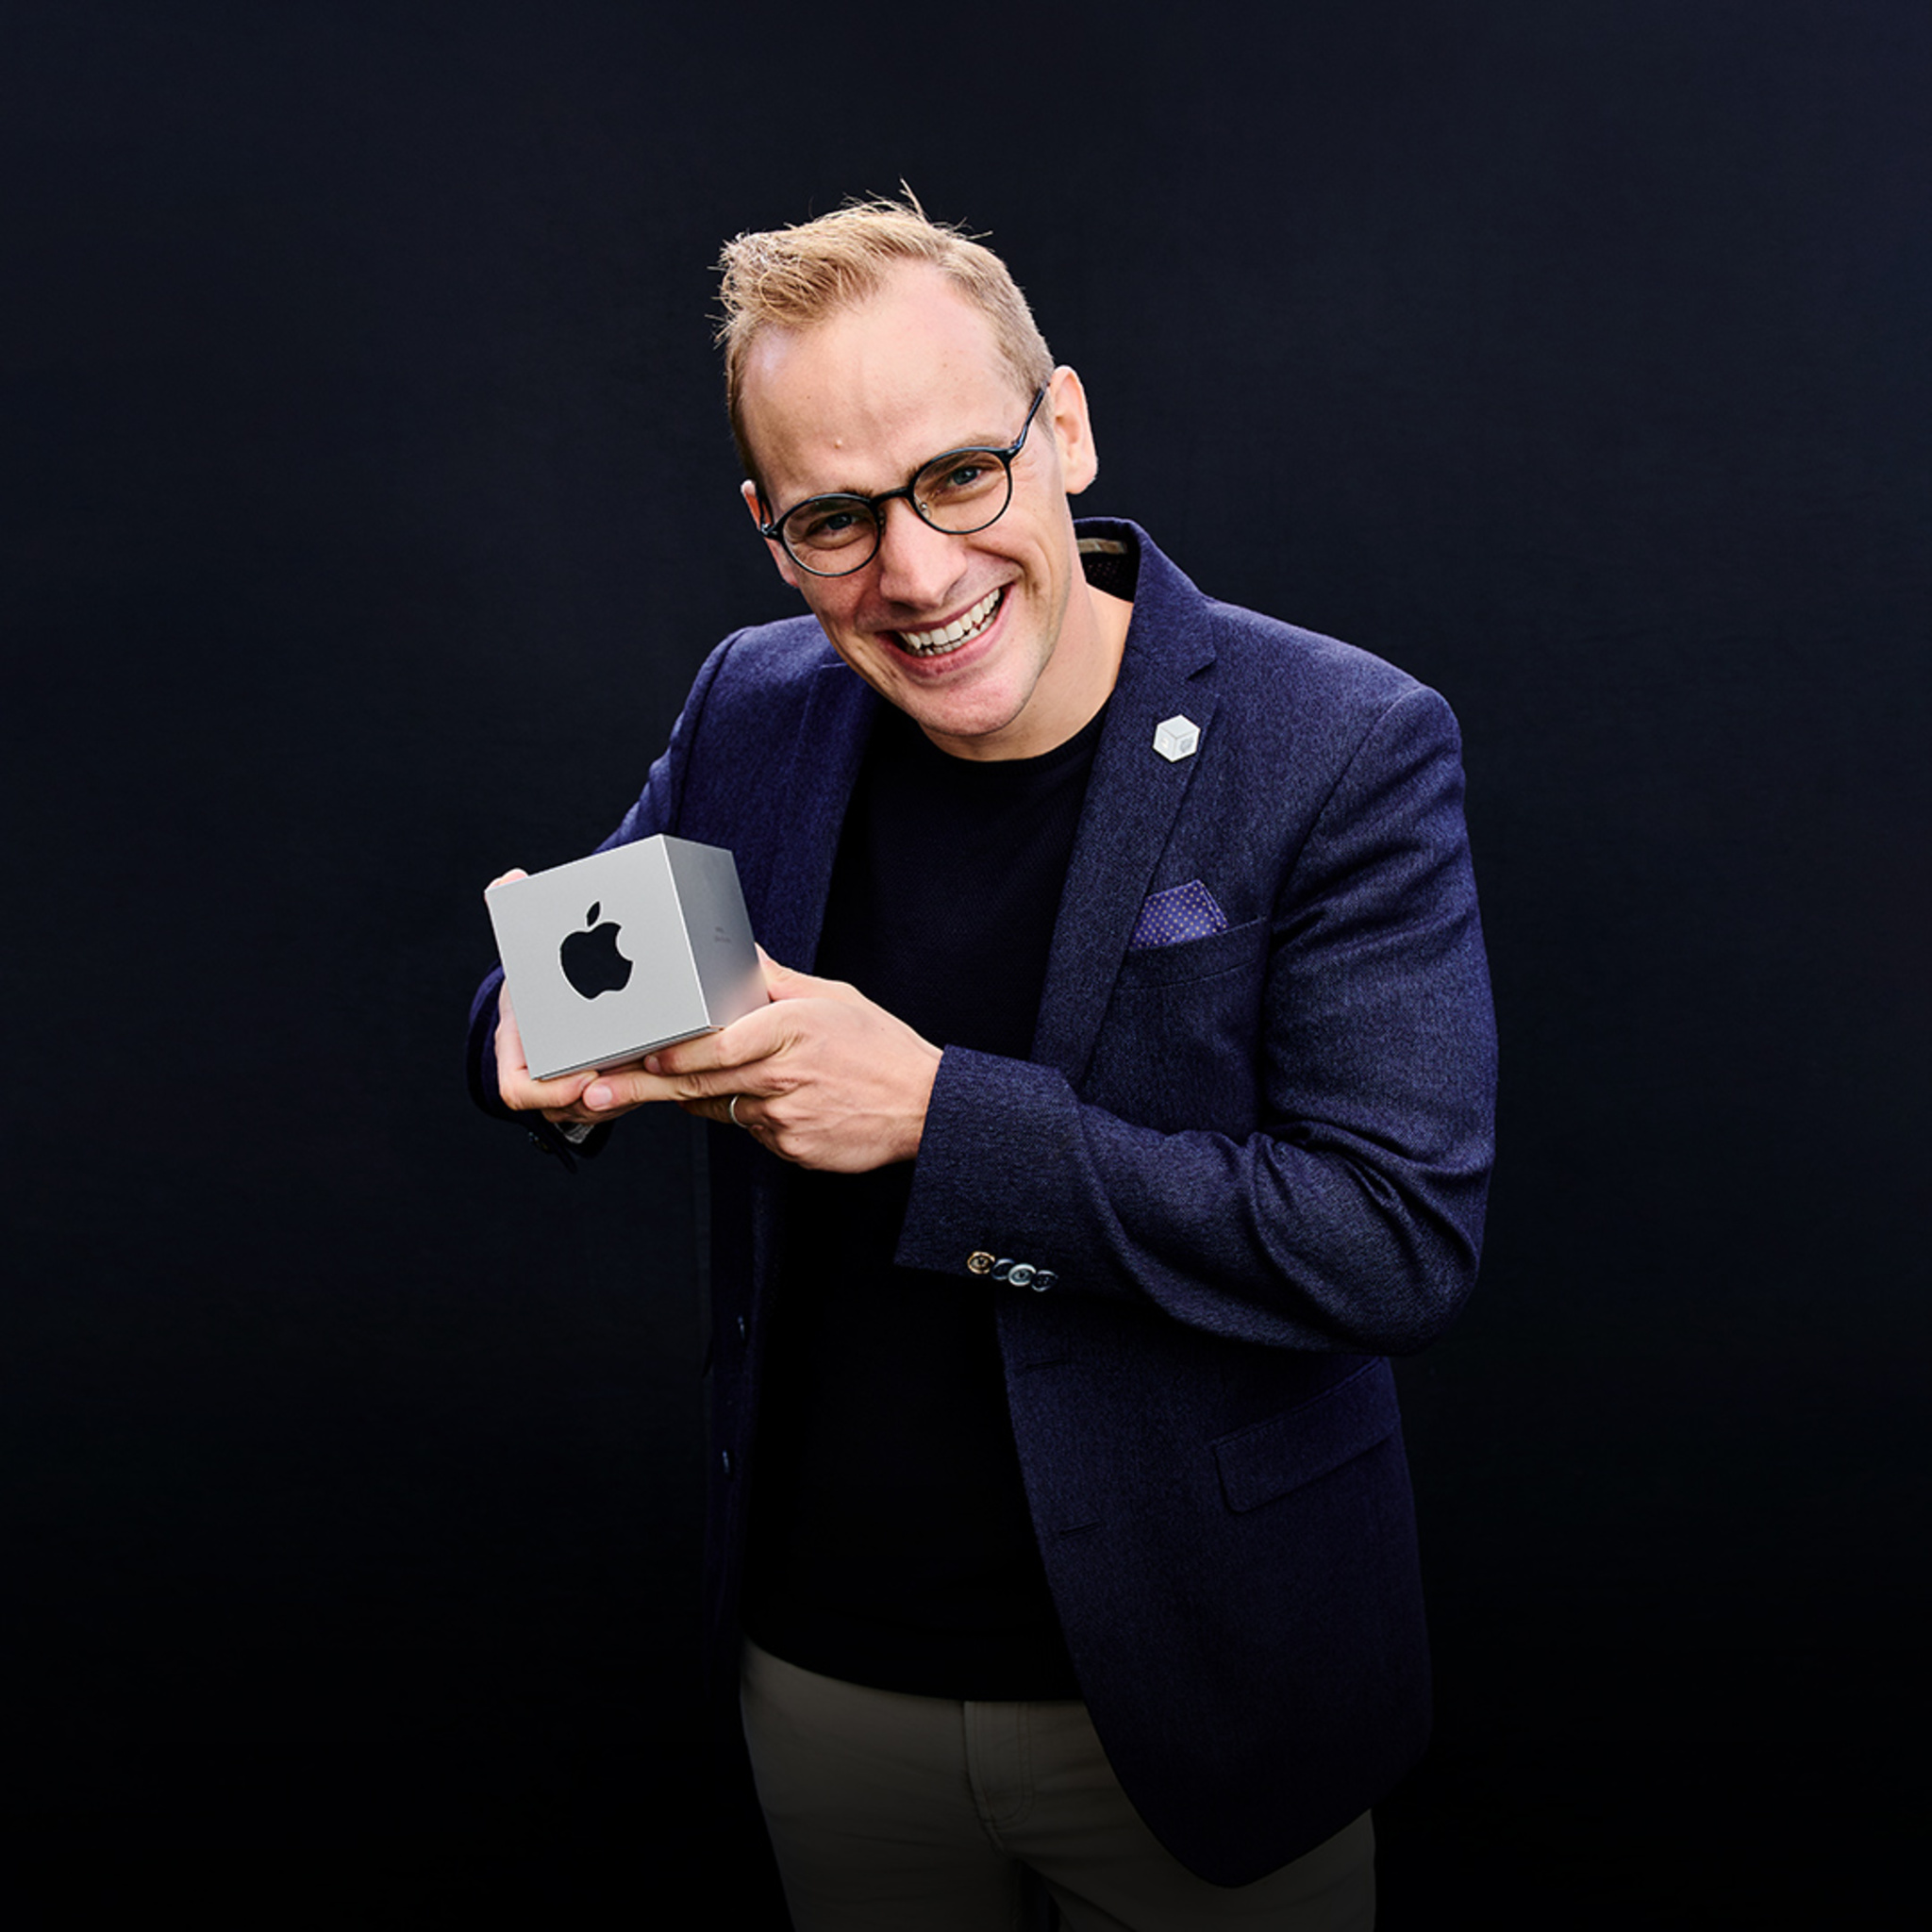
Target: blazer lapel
<point x="788" y="891"/>
<point x="1132" y="799"/>
<point x="812" y="793"/>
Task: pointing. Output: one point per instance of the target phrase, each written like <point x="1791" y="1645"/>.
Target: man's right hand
<point x="558" y="1100"/>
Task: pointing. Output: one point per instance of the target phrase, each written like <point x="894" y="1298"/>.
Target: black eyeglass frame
<point x="874" y="505"/>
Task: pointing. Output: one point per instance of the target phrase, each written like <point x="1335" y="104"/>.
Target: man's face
<point x="859" y="403"/>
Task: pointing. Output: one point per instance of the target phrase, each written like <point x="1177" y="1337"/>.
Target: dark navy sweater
<point x="890" y="1540"/>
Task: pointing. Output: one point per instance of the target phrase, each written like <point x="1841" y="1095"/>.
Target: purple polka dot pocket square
<point x="1181" y="912"/>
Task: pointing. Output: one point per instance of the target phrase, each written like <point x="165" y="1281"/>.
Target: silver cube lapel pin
<point x="1175" y="738"/>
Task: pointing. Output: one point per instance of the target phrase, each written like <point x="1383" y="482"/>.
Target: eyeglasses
<point x="958" y="493"/>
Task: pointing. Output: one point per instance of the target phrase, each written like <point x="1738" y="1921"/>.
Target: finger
<point x="782" y="982"/>
<point x="519" y="1089"/>
<point x="637" y="1087"/>
<point x="718" y="1107"/>
<point x="747" y="1117"/>
<point x="509" y="1041"/>
<point x="614" y="1092"/>
<point x="755" y="1036"/>
<point x="788" y="983"/>
<point x="511" y="1058"/>
<point x="503" y="878"/>
<point x="546" y="1096"/>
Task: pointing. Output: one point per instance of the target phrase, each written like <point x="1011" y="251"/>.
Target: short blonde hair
<point x="794" y="277"/>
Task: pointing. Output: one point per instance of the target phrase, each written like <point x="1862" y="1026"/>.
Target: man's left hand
<point x="819" y="1075"/>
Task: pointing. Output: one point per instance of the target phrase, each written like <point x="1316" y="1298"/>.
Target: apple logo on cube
<point x="590" y="960"/>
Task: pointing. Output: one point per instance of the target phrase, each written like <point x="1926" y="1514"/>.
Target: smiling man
<point x="1135" y="1106"/>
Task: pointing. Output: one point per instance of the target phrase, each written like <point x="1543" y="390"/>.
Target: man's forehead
<point x="880" y="377"/>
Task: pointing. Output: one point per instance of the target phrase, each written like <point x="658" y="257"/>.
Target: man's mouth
<point x="949" y="637"/>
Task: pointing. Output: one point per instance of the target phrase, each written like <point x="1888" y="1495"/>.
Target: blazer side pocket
<point x="1270" y="1458"/>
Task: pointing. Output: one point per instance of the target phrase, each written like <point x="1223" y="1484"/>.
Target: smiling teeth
<point x="949" y="637"/>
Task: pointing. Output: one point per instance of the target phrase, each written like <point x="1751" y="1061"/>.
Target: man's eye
<point x="960" y="477"/>
<point x="830" y="525"/>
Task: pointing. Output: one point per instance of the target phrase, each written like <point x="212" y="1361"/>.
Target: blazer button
<point x="742" y="1331"/>
<point x="724" y="1457"/>
<point x="1043" y="1278"/>
<point x="976" y="1263"/>
<point x="1022" y="1275"/>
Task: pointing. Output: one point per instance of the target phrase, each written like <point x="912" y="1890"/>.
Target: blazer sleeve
<point x="1349" y="1216"/>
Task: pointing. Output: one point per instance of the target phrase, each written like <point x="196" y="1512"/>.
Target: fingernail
<point x="597" y="1096"/>
<point x="651" y="1065"/>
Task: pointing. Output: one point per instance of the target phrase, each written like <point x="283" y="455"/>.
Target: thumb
<point x="786" y="983"/>
<point x="509" y="1038"/>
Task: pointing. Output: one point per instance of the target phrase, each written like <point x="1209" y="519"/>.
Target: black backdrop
<point x="369" y="505"/>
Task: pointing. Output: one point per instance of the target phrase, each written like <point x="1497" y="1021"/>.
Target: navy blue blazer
<point x="1238" y="1170"/>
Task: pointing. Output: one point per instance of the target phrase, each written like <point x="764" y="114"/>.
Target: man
<point x="1135" y="1107"/>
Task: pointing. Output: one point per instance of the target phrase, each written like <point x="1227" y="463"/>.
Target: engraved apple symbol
<point x="590" y="960"/>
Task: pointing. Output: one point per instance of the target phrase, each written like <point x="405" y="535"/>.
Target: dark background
<point x="369" y="505"/>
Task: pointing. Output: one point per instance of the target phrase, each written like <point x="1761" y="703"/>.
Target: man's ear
<point x="1072" y="433"/>
<point x="749" y="491"/>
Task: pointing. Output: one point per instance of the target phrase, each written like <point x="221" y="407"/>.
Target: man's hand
<point x="819" y="1075"/>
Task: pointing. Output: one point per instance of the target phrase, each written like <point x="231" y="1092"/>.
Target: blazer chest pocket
<point x="1178" y="1047"/>
<point x="1236" y="949"/>
<point x="1286" y="1452"/>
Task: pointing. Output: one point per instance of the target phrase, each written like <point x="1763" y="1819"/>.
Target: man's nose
<point x="918" y="565"/>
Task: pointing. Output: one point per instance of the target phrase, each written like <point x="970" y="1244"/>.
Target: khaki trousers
<point x="892" y="1813"/>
